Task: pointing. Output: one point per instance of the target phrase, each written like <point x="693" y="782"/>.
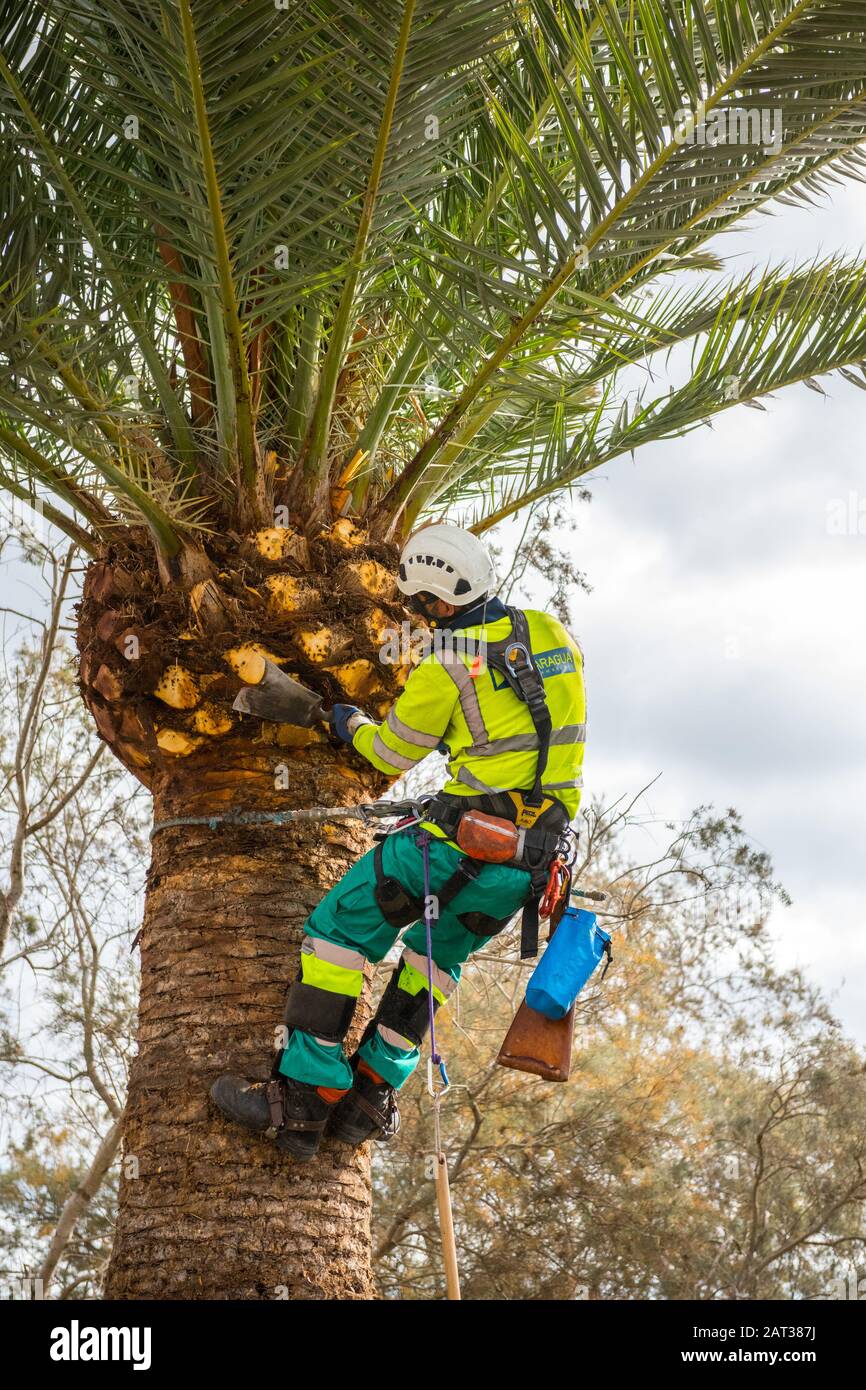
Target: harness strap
<point x="466" y="872"/>
<point x="512" y="658"/>
<point x="529" y="928"/>
<point x="411" y="909"/>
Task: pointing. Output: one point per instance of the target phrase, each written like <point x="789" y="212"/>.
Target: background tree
<point x="72" y="846"/>
<point x="277" y="283"/>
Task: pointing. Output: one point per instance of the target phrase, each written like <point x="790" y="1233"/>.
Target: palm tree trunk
<point x="206" y="1211"/>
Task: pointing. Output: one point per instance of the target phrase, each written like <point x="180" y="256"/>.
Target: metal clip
<point x="432" y="1090"/>
<point x="511" y="658"/>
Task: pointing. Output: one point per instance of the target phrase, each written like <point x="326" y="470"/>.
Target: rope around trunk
<point x="366" y="811"/>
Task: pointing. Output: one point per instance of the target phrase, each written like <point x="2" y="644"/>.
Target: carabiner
<point x="432" y="1090"/>
<point x="510" y="661"/>
<point x="554" y="889"/>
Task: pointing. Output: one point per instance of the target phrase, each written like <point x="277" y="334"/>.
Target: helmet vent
<point x="427" y="560"/>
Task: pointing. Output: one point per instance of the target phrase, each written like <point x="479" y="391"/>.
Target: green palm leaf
<point x="394" y="256"/>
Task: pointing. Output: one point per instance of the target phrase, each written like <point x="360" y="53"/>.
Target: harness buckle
<point x="517" y="658"/>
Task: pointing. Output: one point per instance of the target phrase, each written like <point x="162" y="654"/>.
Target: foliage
<point x="399" y="257"/>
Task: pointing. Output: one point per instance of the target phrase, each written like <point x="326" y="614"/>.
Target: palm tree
<point x="278" y="280"/>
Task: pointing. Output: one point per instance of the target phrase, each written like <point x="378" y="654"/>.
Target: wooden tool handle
<point x="446" y="1226"/>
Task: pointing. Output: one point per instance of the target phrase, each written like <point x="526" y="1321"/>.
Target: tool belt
<point x="488" y="824"/>
<point x="465" y="819"/>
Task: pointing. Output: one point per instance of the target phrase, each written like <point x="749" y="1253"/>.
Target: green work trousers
<point x="347" y="930"/>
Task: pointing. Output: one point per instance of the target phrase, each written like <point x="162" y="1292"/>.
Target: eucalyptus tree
<point x="278" y="281"/>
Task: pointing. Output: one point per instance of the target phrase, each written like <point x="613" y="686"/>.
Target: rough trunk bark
<point x="205" y="1211"/>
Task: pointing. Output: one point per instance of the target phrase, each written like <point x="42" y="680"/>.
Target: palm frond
<point x="678" y="193"/>
<point x="776" y="332"/>
<point x="407" y="247"/>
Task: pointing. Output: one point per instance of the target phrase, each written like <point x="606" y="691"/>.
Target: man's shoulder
<point x="551" y="625"/>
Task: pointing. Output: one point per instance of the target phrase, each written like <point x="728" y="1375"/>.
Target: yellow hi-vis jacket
<point x="453" y="698"/>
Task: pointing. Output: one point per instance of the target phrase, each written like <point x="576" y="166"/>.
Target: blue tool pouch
<point x="569" y="959"/>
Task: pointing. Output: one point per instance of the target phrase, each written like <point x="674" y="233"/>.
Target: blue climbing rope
<point x="423" y="838"/>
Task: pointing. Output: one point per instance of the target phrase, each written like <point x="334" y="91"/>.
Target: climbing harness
<point x="397" y="906"/>
<point x="494" y="819"/>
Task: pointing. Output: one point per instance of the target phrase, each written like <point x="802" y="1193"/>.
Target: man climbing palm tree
<point x="280" y="283"/>
<point x="504" y="695"/>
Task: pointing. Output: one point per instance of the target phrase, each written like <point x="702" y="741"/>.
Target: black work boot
<point x="294" y="1113"/>
<point x="368" y="1111"/>
<point x="243" y="1101"/>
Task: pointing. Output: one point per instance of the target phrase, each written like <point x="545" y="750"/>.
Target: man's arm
<point x="415" y="723"/>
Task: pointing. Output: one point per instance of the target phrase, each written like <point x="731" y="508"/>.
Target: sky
<point x="724" y="635"/>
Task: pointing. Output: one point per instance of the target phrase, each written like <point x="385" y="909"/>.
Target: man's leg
<point x="390" y="1048"/>
<point x="343" y="932"/>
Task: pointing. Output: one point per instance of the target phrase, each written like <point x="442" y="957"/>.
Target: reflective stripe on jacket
<point x="449" y="697"/>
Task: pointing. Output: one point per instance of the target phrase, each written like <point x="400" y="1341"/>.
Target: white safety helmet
<point x="446" y="561"/>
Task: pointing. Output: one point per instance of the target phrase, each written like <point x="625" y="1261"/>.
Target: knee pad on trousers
<point x="408" y="1014"/>
<point x="319" y="1011"/>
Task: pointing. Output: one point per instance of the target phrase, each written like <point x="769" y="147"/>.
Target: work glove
<point x="347" y="719"/>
